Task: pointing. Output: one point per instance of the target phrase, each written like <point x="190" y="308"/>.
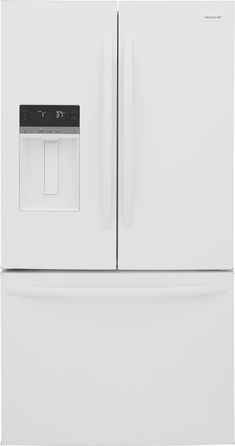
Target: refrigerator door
<point x="176" y="135"/>
<point x="117" y="358"/>
<point x="58" y="180"/>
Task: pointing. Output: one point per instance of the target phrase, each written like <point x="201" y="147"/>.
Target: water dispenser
<point x="49" y="157"/>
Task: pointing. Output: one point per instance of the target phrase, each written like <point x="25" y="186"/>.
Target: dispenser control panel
<point x="49" y="118"/>
<point x="49" y="157"/>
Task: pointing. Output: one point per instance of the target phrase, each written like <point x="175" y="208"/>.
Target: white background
<point x="0" y="183"/>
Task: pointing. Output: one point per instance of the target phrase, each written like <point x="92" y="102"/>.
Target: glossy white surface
<point x="53" y="54"/>
<point x="117" y="358"/>
<point x="176" y="135"/>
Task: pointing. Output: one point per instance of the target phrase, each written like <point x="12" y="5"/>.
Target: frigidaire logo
<point x="212" y="17"/>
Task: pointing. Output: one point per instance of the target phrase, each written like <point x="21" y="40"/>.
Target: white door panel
<point x="117" y="358"/>
<point x="176" y="135"/>
<point x="60" y="53"/>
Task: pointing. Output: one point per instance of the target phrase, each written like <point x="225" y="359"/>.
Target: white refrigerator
<point x="117" y="223"/>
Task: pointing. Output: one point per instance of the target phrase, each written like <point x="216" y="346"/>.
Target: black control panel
<point x="49" y="116"/>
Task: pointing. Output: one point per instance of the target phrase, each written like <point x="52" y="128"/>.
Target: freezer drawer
<point x="117" y="358"/>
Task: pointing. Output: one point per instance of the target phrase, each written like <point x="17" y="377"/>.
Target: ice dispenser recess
<point x="49" y="157"/>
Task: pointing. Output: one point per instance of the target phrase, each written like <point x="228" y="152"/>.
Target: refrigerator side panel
<point x="59" y="135"/>
<point x="176" y="135"/>
<point x="117" y="359"/>
<point x="3" y="136"/>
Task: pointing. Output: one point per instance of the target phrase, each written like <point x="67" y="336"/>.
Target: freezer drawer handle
<point x="107" y="137"/>
<point x="135" y="293"/>
<point x="127" y="167"/>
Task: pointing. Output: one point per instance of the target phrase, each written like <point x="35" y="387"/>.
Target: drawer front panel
<point x="134" y="360"/>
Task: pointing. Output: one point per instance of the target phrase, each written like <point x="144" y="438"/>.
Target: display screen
<point x="49" y="116"/>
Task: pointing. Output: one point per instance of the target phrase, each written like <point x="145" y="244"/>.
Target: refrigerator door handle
<point x="127" y="146"/>
<point x="107" y="136"/>
<point x="133" y="293"/>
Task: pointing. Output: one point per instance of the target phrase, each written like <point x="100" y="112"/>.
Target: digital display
<point x="49" y="116"/>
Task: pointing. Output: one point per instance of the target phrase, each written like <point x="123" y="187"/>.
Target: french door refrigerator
<point x="117" y="282"/>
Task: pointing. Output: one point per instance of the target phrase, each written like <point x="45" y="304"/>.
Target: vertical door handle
<point x="107" y="155"/>
<point x="127" y="142"/>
